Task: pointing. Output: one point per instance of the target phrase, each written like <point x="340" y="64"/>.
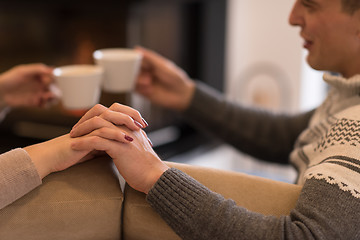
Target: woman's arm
<point x="26" y="85"/>
<point x="18" y="176"/>
<point x="22" y="170"/>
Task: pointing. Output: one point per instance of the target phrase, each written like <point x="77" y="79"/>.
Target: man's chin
<point x="314" y="64"/>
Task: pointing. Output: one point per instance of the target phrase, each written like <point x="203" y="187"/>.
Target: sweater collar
<point x="348" y="86"/>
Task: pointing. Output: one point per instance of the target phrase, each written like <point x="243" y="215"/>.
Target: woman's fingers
<point x="97" y="143"/>
<point x="90" y="125"/>
<point x="110" y="120"/>
<point x="98" y="126"/>
<point x="113" y="134"/>
<point x="90" y="143"/>
<point x="97" y="110"/>
<point x="138" y="120"/>
<point x="118" y="114"/>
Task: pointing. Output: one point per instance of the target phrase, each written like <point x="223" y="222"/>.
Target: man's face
<point x="331" y="36"/>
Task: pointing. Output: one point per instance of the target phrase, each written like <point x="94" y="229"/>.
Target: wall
<point x="264" y="58"/>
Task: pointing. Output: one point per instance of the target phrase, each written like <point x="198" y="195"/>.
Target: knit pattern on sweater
<point x="333" y="131"/>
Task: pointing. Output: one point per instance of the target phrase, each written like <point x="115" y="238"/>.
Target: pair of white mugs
<point x="115" y="71"/>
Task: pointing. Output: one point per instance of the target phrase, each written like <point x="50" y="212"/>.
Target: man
<point x="323" y="144"/>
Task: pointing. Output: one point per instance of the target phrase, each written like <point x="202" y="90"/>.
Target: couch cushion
<point x="82" y="202"/>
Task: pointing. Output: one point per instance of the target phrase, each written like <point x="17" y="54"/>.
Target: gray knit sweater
<point x="323" y="145"/>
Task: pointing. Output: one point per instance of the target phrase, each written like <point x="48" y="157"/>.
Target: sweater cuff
<point x="18" y="176"/>
<point x="204" y="96"/>
<point x="176" y="196"/>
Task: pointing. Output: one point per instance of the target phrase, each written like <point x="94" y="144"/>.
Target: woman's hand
<point x="100" y="116"/>
<point x="26" y="85"/>
<point x="55" y="155"/>
<point x="115" y="132"/>
<point x="136" y="161"/>
<point x="164" y="83"/>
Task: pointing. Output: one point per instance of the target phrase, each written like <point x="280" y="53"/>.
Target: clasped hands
<point x="116" y="131"/>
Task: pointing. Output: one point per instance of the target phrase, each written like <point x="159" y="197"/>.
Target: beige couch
<point x="86" y="202"/>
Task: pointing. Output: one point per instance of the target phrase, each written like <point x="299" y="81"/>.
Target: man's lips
<point x="307" y="44"/>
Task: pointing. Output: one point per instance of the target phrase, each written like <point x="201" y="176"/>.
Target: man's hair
<point x="350" y="6"/>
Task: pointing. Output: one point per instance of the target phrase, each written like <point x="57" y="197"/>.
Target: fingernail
<point x="138" y="124"/>
<point x="145" y="122"/>
<point x="130" y="139"/>
<point x="150" y="142"/>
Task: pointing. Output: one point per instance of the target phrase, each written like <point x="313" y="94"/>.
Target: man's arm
<point x="323" y="211"/>
<point x="259" y="133"/>
<point x="326" y="209"/>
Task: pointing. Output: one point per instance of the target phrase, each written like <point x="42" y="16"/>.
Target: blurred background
<point x="244" y="48"/>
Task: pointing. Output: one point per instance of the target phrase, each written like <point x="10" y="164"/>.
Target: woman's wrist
<point x="41" y="164"/>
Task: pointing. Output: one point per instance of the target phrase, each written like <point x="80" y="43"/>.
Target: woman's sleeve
<point x="18" y="176"/>
<point x="323" y="211"/>
<point x="262" y="134"/>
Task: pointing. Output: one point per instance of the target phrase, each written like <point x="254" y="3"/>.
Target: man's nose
<point x="296" y="17"/>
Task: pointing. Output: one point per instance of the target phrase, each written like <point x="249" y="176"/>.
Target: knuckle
<point x="98" y="107"/>
<point x="96" y="120"/>
<point x="137" y="113"/>
<point x="94" y="139"/>
<point x="106" y="114"/>
<point x="115" y="105"/>
<point x="128" y="119"/>
<point x="102" y="131"/>
<point x="119" y="135"/>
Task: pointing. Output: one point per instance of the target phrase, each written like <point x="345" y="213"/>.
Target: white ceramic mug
<point x="121" y="67"/>
<point x="80" y="85"/>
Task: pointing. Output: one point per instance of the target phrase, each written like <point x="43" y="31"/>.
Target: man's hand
<point x="164" y="83"/>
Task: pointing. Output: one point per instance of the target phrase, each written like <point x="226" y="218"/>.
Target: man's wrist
<point x="189" y="94"/>
<point x="156" y="176"/>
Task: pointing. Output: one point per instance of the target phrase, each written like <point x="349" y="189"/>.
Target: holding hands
<point x="117" y="131"/>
